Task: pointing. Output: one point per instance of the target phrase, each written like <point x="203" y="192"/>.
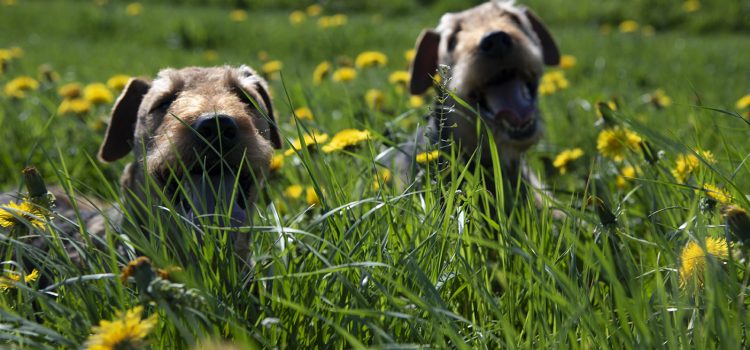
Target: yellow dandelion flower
<point x="684" y="166"/>
<point x="693" y="259"/>
<point x="374" y="99"/>
<point x="717" y="194"/>
<point x="129" y="270"/>
<point x="293" y="191"/>
<point x="628" y="26"/>
<point x="416" y="101"/>
<point x="553" y="81"/>
<point x="272" y="67"/>
<point x="13" y="214"/>
<point x="77" y="106"/>
<point x="691" y="6"/>
<point x="8" y="281"/>
<point x="277" y="161"/>
<point x="127" y="331"/>
<point x="546" y="88"/>
<point x="303" y="113"/>
<point x="568" y="61"/>
<point x="399" y="77"/>
<point x="297" y="17"/>
<point x="118" y="82"/>
<point x="18" y="87"/>
<point x="409" y="55"/>
<point x="370" y="59"/>
<point x="5" y="56"/>
<point x="659" y="99"/>
<point x="344" y="74"/>
<point x="627" y="173"/>
<point x="321" y="71"/>
<point x="97" y="93"/>
<point x="134" y="9"/>
<point x="346" y="138"/>
<point x="384" y="176"/>
<point x="238" y="15"/>
<point x="69" y="90"/>
<point x="566" y="157"/>
<point x="311" y="197"/>
<point x="708" y="156"/>
<point x="310" y="141"/>
<point x="10" y="3"/>
<point x="314" y="10"/>
<point x="743" y="102"/>
<point x="33" y="276"/>
<point x="80" y="106"/>
<point x="337" y="20"/>
<point x="612" y="143"/>
<point x="427" y="157"/>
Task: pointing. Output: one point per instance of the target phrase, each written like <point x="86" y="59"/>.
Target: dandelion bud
<point x="47" y="74"/>
<point x="141" y="270"/>
<point x="34" y="182"/>
<point x="605" y="214"/>
<point x="38" y="193"/>
<point x="649" y="154"/>
<point x="606" y="111"/>
<point x="738" y="222"/>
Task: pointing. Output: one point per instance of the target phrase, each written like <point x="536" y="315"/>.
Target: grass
<point x="439" y="264"/>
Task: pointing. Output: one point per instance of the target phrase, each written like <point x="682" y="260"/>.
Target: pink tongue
<point x="212" y="197"/>
<point x="508" y="101"/>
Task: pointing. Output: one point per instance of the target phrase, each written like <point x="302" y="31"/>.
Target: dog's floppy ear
<point x="550" y="52"/>
<point x="274" y="136"/>
<point x="425" y="61"/>
<point x="118" y="141"/>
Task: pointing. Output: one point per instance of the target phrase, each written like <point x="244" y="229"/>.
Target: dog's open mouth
<point x="510" y="100"/>
<point x="216" y="198"/>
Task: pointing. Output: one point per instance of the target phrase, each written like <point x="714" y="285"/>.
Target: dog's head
<point x="205" y="136"/>
<point x="497" y="52"/>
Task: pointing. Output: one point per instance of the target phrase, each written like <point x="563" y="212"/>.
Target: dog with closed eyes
<point x="495" y="54"/>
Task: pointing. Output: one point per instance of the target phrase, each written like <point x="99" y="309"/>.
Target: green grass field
<point x="376" y="266"/>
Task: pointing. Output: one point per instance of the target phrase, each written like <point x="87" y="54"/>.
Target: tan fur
<point x="471" y="72"/>
<point x="165" y="141"/>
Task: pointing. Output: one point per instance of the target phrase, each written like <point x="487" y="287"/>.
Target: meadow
<point x="645" y="153"/>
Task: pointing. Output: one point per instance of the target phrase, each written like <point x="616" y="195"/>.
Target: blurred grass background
<point x="434" y="266"/>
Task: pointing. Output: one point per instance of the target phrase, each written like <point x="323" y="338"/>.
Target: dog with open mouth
<point x="495" y="54"/>
<point x="202" y="137"/>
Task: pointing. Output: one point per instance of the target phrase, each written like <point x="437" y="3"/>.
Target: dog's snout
<point x="495" y="44"/>
<point x="216" y="127"/>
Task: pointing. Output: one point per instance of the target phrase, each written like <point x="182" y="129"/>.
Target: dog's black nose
<point x="495" y="44"/>
<point x="217" y="128"/>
